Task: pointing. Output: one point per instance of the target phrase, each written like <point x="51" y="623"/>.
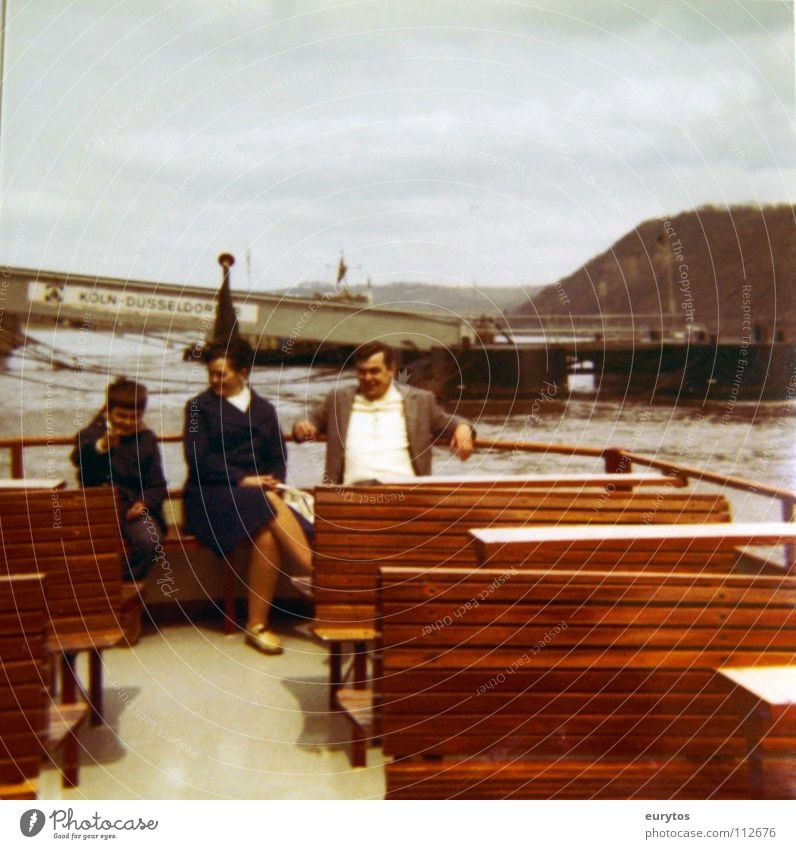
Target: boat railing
<point x="616" y="460"/>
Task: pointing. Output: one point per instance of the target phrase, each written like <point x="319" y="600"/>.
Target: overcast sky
<point x="465" y="142"/>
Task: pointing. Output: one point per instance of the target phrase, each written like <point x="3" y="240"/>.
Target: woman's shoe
<point x="264" y="640"/>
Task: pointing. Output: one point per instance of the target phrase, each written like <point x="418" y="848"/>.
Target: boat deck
<point x="194" y="714"/>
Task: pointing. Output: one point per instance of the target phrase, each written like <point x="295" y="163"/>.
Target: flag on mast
<point x="226" y="324"/>
<point x="342" y="269"/>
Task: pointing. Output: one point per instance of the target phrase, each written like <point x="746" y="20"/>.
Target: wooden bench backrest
<point x="23" y="698"/>
<point x="709" y="547"/>
<point x="557" y="664"/>
<point x="361" y="528"/>
<point x="73" y="537"/>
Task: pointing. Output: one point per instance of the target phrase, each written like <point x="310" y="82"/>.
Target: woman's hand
<point x="268" y="482"/>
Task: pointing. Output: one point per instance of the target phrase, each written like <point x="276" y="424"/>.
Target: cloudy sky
<point x="468" y="141"/>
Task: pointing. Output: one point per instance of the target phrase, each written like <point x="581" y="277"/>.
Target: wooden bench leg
<point x="69" y="684"/>
<point x="95" y="686"/>
<point x="359" y="748"/>
<point x="335" y="672"/>
<point x="754" y="731"/>
<point x="360" y="680"/>
<point x="230" y="586"/>
<point x="70" y="764"/>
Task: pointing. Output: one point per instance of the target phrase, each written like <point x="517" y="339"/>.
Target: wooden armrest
<point x="358" y="705"/>
<point x="332" y="634"/>
<point x="64" y="719"/>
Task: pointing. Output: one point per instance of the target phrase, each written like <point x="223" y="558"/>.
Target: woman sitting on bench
<point x="236" y="459"/>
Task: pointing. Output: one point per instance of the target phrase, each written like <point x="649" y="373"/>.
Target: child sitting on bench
<point x="117" y="449"/>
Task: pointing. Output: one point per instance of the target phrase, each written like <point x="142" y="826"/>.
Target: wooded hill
<point x="728" y="269"/>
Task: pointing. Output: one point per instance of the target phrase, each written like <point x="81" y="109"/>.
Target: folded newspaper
<point x="302" y="502"/>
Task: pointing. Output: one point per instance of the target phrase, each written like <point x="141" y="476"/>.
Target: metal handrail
<point x="616" y="459"/>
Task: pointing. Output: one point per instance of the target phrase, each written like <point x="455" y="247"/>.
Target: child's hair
<point x="127" y="393"/>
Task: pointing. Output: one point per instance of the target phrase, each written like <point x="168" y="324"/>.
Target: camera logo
<point x="31" y="822"/>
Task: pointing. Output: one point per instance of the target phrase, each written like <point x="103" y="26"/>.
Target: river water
<point x="41" y="397"/>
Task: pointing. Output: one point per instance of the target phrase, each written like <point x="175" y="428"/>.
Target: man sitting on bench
<point x="380" y="427"/>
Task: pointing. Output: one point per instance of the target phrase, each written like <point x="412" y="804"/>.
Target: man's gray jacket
<point x="425" y="421"/>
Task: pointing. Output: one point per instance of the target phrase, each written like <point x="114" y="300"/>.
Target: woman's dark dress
<point x="222" y="446"/>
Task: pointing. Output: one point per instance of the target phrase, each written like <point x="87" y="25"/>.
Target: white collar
<point x="242" y="400"/>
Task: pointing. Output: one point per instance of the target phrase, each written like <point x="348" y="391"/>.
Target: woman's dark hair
<point x="238" y="351"/>
<point x="370" y="349"/>
<point x="126" y="393"/>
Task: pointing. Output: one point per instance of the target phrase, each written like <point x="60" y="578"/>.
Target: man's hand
<point x="304" y="431"/>
<point x="462" y="442"/>
<point x="267" y="482"/>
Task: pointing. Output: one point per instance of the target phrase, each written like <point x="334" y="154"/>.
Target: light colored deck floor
<point x="194" y="714"/>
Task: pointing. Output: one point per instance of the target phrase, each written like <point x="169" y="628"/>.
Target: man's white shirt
<point x="377" y="443"/>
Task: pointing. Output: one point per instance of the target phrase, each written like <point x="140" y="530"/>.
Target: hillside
<point x="732" y="270"/>
<point x="429" y="297"/>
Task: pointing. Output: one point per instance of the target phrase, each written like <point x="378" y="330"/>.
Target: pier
<point x="486" y="357"/>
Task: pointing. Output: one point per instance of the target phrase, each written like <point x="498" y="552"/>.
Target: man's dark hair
<point x="238" y="351"/>
<point x="370" y="349"/>
<point x="127" y="393"/>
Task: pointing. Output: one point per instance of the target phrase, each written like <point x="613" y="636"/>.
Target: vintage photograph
<point x="398" y="402"/>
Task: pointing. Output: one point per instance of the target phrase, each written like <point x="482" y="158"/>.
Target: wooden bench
<point x="179" y="542"/>
<point x="71" y="536"/>
<point x="599" y="676"/>
<point x="360" y="529"/>
<point x="30" y="724"/>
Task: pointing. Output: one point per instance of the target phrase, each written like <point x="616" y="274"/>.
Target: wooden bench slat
<point x="733" y="533"/>
<point x="29" y="724"/>
<point x="541" y="481"/>
<point x="83" y="575"/>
